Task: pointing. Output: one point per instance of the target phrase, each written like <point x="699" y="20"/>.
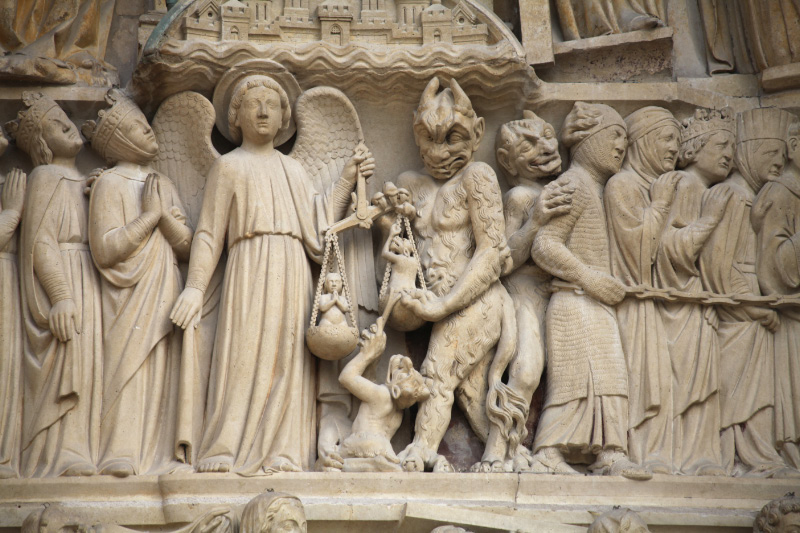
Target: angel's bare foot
<point x="211" y="465"/>
<point x="80" y="469"/>
<point x="281" y="464"/>
<point x="118" y="469"/>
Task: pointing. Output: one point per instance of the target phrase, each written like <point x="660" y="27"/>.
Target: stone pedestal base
<point x="408" y="503"/>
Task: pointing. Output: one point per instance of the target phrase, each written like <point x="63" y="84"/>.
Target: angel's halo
<point x="223" y="93"/>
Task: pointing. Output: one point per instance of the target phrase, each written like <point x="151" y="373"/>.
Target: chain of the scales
<point x="332" y="243"/>
<point x="388" y="272"/>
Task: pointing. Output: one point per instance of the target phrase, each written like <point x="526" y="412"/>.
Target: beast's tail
<point x="505" y="407"/>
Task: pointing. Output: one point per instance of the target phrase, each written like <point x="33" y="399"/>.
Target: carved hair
<point x="453" y="97"/>
<point x="251" y="82"/>
<point x="618" y="521"/>
<point x="584" y="120"/>
<point x="698" y="129"/>
<point x="769" y="518"/>
<point x="27" y="129"/>
<point x="259" y="513"/>
<point x="511" y="132"/>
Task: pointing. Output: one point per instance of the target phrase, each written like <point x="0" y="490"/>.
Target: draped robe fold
<point x="10" y="345"/>
<point x="260" y="410"/>
<point x="141" y="355"/>
<point x="62" y="380"/>
<point x="691" y="333"/>
<point x="634" y="229"/>
<point x="778" y="270"/>
<point x="728" y="266"/>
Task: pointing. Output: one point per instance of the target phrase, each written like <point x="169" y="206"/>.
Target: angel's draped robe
<point x="261" y="395"/>
<point x="778" y="270"/>
<point x="61" y="415"/>
<point x="691" y="333"/>
<point x="747" y="385"/>
<point x="10" y="344"/>
<point x="141" y="351"/>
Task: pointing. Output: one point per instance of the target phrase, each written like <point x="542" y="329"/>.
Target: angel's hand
<point x="367" y="164"/>
<point x="351" y="168"/>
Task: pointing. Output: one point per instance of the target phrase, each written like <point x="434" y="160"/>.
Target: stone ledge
<point x="495" y="502"/>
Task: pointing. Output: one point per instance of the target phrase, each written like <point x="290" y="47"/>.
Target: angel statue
<point x="260" y="407"/>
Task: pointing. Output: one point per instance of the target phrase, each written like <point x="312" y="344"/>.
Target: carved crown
<point x="25" y="128"/>
<point x="99" y="132"/>
<point x="705" y="121"/>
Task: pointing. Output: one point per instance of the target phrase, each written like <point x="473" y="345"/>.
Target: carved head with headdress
<point x="779" y="516"/>
<point x="618" y="521"/>
<point x="121" y="132"/>
<point x="43" y="130"/>
<point x="653" y="141"/>
<point x="527" y="149"/>
<point x="707" y="142"/>
<point x="406" y="385"/>
<point x="761" y="137"/>
<point x="596" y="137"/>
<point x="793" y="142"/>
<point x="446" y="129"/>
<point x="256" y="96"/>
<point x="273" y="512"/>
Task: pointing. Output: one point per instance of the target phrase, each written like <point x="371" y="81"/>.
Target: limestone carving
<point x="462" y="246"/>
<point x="368" y="448"/>
<point x="60" y="300"/>
<point x="12" y="200"/>
<point x="58" y="519"/>
<point x="580" y="19"/>
<point x="137" y="233"/>
<point x="264" y="203"/>
<point x="776" y="218"/>
<point x="779" y="516"/>
<point x="273" y="512"/>
<point x="403" y="268"/>
<point x="586" y="404"/>
<point x="637" y="202"/>
<point x="706" y="157"/>
<point x="57" y="41"/>
<point x="618" y="521"/>
<point x="728" y="265"/>
<point x="182" y="127"/>
<point x="449" y="529"/>
<point x="527" y="151"/>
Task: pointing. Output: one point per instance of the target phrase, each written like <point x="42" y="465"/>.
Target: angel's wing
<point x="182" y="126"/>
<point x="328" y="132"/>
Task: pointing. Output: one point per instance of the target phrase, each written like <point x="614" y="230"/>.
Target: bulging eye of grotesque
<point x="549" y="133"/>
<point x="454" y="137"/>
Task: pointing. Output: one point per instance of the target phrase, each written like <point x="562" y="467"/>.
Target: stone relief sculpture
<point x="618" y="521"/>
<point x="637" y="202"/>
<point x="12" y="200"/>
<point x="706" y="157"/>
<point x="264" y="203"/>
<point x="776" y="218"/>
<point x="58" y="519"/>
<point x="273" y="512"/>
<point x="60" y="300"/>
<point x="137" y="233"/>
<point x="580" y="19"/>
<point x="463" y="250"/>
<point x="728" y="266"/>
<point x="368" y="448"/>
<point x="182" y="127"/>
<point x="449" y="529"/>
<point x="779" y="516"/>
<point x="527" y="151"/>
<point x="57" y="41"/>
<point x="586" y="403"/>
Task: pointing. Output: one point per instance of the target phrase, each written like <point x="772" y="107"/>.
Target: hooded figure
<point x="637" y="202"/>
